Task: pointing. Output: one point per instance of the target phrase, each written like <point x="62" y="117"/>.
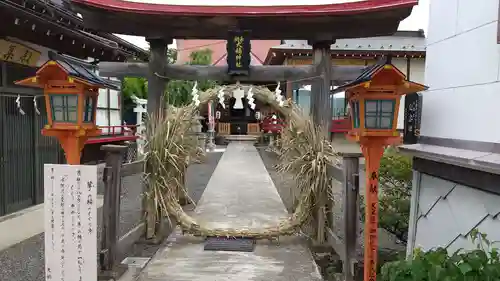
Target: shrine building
<point x="406" y="47"/>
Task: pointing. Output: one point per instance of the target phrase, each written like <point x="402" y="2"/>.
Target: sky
<point x="418" y="19"/>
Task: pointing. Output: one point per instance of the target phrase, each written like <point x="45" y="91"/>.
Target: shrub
<point x="480" y="264"/>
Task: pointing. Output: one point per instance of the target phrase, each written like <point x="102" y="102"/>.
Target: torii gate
<point x="321" y="24"/>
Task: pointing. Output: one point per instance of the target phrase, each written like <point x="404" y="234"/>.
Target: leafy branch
<point x="480" y="264"/>
<point x="177" y="92"/>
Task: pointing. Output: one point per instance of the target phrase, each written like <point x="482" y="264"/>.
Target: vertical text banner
<point x="412" y="118"/>
<point x="70" y="222"/>
<point x="238" y="52"/>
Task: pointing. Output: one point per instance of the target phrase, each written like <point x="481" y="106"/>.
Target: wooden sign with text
<point x="412" y="118"/>
<point x="70" y="222"/>
<point x="17" y="53"/>
<point x="238" y="53"/>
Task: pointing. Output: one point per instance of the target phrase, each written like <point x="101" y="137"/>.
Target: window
<point x="355" y="114"/>
<point x="379" y="114"/>
<point x="88" y="110"/>
<point x="64" y="107"/>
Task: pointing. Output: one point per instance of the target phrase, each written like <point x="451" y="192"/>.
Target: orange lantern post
<point x="70" y="93"/>
<point x="374" y="99"/>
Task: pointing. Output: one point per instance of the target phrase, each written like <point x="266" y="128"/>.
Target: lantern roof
<point x="78" y="70"/>
<point x="181" y="19"/>
<point x="382" y="66"/>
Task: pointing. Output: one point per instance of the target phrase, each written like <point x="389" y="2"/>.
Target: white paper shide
<point x="70" y="222"/>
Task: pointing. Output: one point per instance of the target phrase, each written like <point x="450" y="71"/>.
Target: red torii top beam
<point x="182" y="19"/>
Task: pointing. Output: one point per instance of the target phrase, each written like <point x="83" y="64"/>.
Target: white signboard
<point x="70" y="222"/>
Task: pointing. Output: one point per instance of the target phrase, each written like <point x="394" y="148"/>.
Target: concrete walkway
<point x="240" y="193"/>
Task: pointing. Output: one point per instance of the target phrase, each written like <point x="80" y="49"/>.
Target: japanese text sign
<point x="70" y="222"/>
<point x="238" y="53"/>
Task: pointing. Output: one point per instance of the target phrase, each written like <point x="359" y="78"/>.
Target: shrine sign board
<point x="18" y="53"/>
<point x="238" y="53"/>
<point x="70" y="222"/>
<point x="413" y="117"/>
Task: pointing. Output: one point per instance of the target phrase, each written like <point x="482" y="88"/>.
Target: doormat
<point x="233" y="244"/>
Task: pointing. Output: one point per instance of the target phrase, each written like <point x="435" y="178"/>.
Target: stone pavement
<point x="240" y="193"/>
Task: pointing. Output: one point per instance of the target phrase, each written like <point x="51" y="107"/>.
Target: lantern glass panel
<point x="379" y="114"/>
<point x="88" y="110"/>
<point x="355" y="114"/>
<point x="64" y="107"/>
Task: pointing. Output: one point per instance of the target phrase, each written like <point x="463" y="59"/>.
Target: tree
<point x="178" y="92"/>
<point x="132" y="86"/>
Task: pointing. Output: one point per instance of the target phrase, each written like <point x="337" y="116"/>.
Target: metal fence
<point x="23" y="152"/>
<point x="132" y="154"/>
<point x="122" y="214"/>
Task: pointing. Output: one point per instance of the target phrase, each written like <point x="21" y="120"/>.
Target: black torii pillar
<point x="156" y="88"/>
<point x="321" y="105"/>
<point x="157" y="64"/>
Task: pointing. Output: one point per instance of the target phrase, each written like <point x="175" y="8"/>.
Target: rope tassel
<point x="250" y="98"/>
<point x="221" y="97"/>
<point x="35" y="105"/>
<point x="18" y="103"/>
<point x="194" y="93"/>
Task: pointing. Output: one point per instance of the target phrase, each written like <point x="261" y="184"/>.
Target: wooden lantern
<point x="374" y="106"/>
<point x="70" y="93"/>
<point x="374" y="102"/>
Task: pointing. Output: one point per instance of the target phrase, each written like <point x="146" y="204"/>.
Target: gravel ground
<point x="198" y="175"/>
<point x="130" y="203"/>
<point x="283" y="183"/>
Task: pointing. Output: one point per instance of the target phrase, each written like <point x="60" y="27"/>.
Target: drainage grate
<point x="229" y="244"/>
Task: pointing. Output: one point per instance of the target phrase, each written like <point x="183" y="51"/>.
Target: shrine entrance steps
<point x="240" y="138"/>
<point x="240" y="194"/>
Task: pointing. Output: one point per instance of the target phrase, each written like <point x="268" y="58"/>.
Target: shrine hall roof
<point x="401" y="43"/>
<point x="267" y="19"/>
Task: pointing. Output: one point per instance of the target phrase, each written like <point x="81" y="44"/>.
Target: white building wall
<point x="462" y="71"/>
<point x="447" y="212"/>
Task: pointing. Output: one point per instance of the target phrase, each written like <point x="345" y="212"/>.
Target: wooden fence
<point x="114" y="246"/>
<point x="348" y="174"/>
